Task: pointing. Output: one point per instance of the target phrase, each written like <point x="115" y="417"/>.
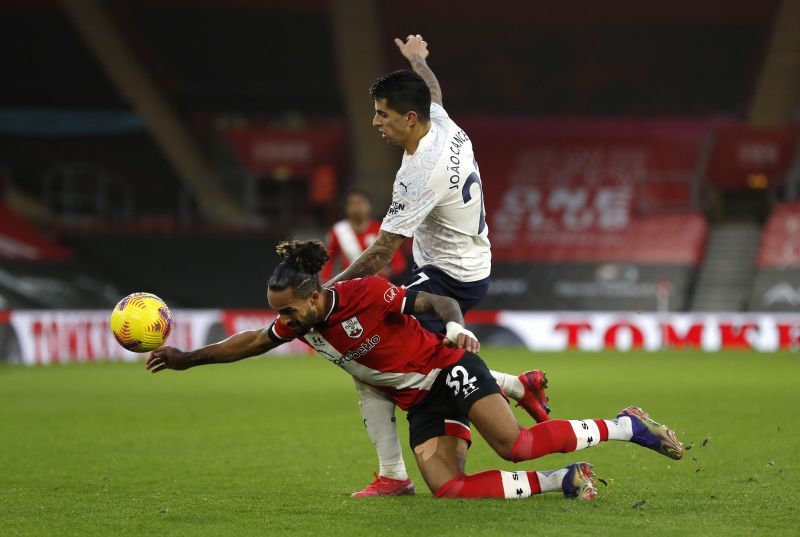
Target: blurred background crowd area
<point x="634" y="155"/>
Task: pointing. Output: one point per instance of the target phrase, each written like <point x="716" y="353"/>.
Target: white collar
<point x="333" y="302"/>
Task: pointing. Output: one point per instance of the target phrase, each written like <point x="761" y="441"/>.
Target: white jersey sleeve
<point x="412" y="201"/>
<point x="438" y="113"/>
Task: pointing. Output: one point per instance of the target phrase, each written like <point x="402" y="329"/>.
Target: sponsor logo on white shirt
<point x="396" y="207"/>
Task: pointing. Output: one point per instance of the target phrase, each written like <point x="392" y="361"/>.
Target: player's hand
<point x="460" y="338"/>
<point x="167" y="358"/>
<point x="464" y="342"/>
<point x="414" y="44"/>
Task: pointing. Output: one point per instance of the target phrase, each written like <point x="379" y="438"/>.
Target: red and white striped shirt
<point x="345" y="245"/>
<point x="368" y="333"/>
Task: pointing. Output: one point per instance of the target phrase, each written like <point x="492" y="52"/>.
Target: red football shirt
<point x="368" y="333"/>
<point x="345" y="245"/>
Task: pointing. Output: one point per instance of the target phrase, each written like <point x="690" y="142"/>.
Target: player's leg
<point x="527" y="389"/>
<point x="379" y="419"/>
<point x="493" y="418"/>
<point x="440" y="437"/>
<point x="576" y="481"/>
<point x="441" y="461"/>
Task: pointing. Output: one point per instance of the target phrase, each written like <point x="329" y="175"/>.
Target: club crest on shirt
<point x="390" y="293"/>
<point x="353" y="328"/>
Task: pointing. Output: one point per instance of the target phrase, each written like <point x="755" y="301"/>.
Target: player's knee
<point x="504" y="447"/>
<point x="504" y="451"/>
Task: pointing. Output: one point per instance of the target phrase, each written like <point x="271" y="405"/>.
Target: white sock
<point x="378" y="413"/>
<point x="550" y="480"/>
<point x="587" y="434"/>
<point x="515" y="484"/>
<point x="620" y="428"/>
<point x="510" y="384"/>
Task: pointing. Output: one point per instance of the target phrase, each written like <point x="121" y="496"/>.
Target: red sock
<point x="603" y="428"/>
<point x="491" y="484"/>
<point x="558" y="436"/>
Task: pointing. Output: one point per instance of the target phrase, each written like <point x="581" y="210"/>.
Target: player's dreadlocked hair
<point x="299" y="268"/>
<point x="404" y="91"/>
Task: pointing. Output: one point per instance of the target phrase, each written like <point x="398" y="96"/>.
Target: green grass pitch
<point x="274" y="447"/>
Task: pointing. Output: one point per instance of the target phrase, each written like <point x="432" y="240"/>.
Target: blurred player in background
<point x="437" y="199"/>
<point x="348" y="238"/>
<point x="368" y="328"/>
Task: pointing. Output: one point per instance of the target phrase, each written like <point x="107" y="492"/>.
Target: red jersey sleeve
<point x="280" y="333"/>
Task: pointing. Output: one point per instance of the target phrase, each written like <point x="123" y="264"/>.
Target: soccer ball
<point x="141" y="322"/>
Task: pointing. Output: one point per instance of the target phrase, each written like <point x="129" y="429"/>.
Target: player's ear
<point x="411" y="119"/>
<point x="313" y="298"/>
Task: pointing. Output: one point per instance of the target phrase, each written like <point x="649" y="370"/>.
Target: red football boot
<point x="535" y="401"/>
<point x="386" y="486"/>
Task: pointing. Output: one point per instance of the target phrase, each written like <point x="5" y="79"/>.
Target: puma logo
<point x="405" y="186"/>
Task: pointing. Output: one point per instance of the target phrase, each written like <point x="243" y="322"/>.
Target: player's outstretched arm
<point x="373" y="259"/>
<point x="448" y="310"/>
<point x="415" y="50"/>
<point x="238" y="346"/>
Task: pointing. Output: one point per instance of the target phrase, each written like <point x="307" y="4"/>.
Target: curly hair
<point x="300" y="264"/>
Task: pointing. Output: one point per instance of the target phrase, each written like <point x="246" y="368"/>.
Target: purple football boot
<point x="578" y="483"/>
<point x="648" y="433"/>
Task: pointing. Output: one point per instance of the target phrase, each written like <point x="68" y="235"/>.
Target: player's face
<point x="357" y="208"/>
<point x="297" y="314"/>
<point x="393" y="126"/>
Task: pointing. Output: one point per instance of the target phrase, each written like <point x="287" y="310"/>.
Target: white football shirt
<point x="437" y="198"/>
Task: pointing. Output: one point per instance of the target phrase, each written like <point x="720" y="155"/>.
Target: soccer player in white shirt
<point x="437" y="199"/>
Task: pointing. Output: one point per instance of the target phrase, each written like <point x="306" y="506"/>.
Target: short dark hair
<point x="299" y="268"/>
<point x="358" y="192"/>
<point x="404" y="91"/>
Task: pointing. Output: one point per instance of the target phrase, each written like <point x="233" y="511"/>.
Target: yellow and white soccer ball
<point x="141" y="322"/>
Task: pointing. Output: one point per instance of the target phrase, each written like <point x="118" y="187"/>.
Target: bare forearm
<point x="420" y="66"/>
<point x="445" y="308"/>
<point x="371" y="261"/>
<point x="240" y="345"/>
<point x="448" y="311"/>
<point x="236" y="347"/>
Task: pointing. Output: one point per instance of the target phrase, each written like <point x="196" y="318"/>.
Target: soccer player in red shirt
<point x="347" y="239"/>
<point x="366" y="327"/>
